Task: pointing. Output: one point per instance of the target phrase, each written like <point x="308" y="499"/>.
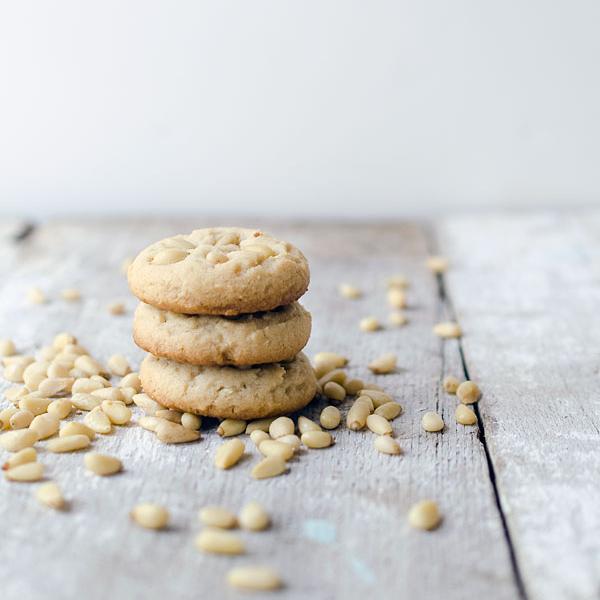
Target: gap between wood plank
<point x="447" y="304"/>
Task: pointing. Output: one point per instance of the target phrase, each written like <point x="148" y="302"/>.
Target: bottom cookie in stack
<point x="253" y="392"/>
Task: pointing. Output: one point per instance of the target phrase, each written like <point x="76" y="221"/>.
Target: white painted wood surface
<point x="340" y="514"/>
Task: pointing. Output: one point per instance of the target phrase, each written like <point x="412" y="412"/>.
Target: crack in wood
<point x="24" y="232"/>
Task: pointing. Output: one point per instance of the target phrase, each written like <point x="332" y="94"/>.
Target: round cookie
<point x="229" y="392"/>
<point x="249" y="339"/>
<point x="219" y="271"/>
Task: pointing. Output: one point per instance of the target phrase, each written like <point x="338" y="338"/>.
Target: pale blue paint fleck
<point x="363" y="571"/>
<point x="319" y="530"/>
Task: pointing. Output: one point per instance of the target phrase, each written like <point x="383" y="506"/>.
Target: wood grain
<point x="526" y="290"/>
<point x="339" y="515"/>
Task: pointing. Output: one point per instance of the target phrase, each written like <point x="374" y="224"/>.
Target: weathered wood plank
<point x="526" y="290"/>
<point x="339" y="515"/>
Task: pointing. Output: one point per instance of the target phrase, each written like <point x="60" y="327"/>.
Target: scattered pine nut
<point x="330" y="417"/>
<point x="437" y="264"/>
<point x="110" y="393"/>
<point x="174" y="433"/>
<point x="292" y="439"/>
<point x="379" y="425"/>
<point x="468" y="392"/>
<point x="131" y="380"/>
<point x="102" y="464"/>
<point x="432" y="422"/>
<point x="349" y="291"/>
<point x="21" y="419"/>
<point x="231" y="427"/>
<point x="305" y="424"/>
<point x="389" y="410"/>
<point x="353" y="386"/>
<point x="13" y="372"/>
<point x="68" y="443"/>
<point x="387" y="445"/>
<point x="50" y="495"/>
<point x="465" y="415"/>
<point x="369" y="324"/>
<point x="398" y="319"/>
<point x="447" y="330"/>
<point x="97" y="420"/>
<point x="76" y="428"/>
<point x="7" y="348"/>
<point x="71" y="295"/>
<point x="424" y="515"/>
<point x="127" y="394"/>
<point x="63" y="339"/>
<point x="356" y="418"/>
<point x="316" y="439"/>
<point x="13" y="441"/>
<point x="83" y="401"/>
<point x="7" y="414"/>
<point x="384" y="364"/>
<point x="147" y="404"/>
<point x="337" y="376"/>
<point x="85" y="385"/>
<point x="450" y="384"/>
<point x="21" y="457"/>
<point x="116" y="308"/>
<point x="396" y="298"/>
<point x="377" y="397"/>
<point x="270" y="466"/>
<point x="45" y="426"/>
<point x="259" y="424"/>
<point x="116" y="411"/>
<point x="14" y="393"/>
<point x="334" y="391"/>
<point x="31" y="471"/>
<point x="34" y="374"/>
<point x="53" y="386"/>
<point x="118" y="365"/>
<point x="150" y="516"/>
<point x="276" y="448"/>
<point x="337" y="360"/>
<point x="397" y="281"/>
<point x="229" y="453"/>
<point x="281" y="426"/>
<point x="254" y="578"/>
<point x="88" y="365"/>
<point x="217" y="516"/>
<point x="37" y="406"/>
<point x="35" y="296"/>
<point x="254" y="517"/>
<point x="191" y="421"/>
<point x="150" y="423"/>
<point x="216" y="541"/>
<point x="258" y="436"/>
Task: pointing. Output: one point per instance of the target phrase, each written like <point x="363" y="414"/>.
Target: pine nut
<point x="216" y="541"/>
<point x="14" y="372"/>
<point x="254" y="578"/>
<point x="356" y="418"/>
<point x="31" y="471"/>
<point x="88" y="365"/>
<point x="369" y="324"/>
<point x="63" y="339"/>
<point x="389" y="410"/>
<point x="118" y="365"/>
<point x="131" y="380"/>
<point x="116" y="411"/>
<point x="97" y="420"/>
<point x="397" y="281"/>
<point x="73" y="349"/>
<point x="259" y="424"/>
<point x="384" y="364"/>
<point x="6" y="415"/>
<point x="450" y="384"/>
<point x="76" y="428"/>
<point x="377" y="397"/>
<point x="147" y="404"/>
<point x="334" y="391"/>
<point x="431" y="421"/>
<point x="50" y="495"/>
<point x="379" y="425"/>
<point x="13" y="441"/>
<point x="305" y="424"/>
<point x="276" y="448"/>
<point x="7" y="348"/>
<point x="437" y="264"/>
<point x="150" y="516"/>
<point x="82" y="401"/>
<point x="103" y="380"/>
<point x="53" y="386"/>
<point x="19" y="359"/>
<point x="353" y="386"/>
<point x="217" y="516"/>
<point x="21" y="419"/>
<point x="330" y="417"/>
<point x="109" y="393"/>
<point x="47" y="353"/>
<point x="281" y="426"/>
<point x="397" y="318"/>
<point x="191" y="421"/>
<point x="387" y="445"/>
<point x="447" y="330"/>
<point x="465" y="415"/>
<point x="102" y="464"/>
<point x="116" y="308"/>
<point x="33" y="404"/>
<point x="270" y="466"/>
<point x="337" y="375"/>
<point x="396" y="298"/>
<point x="34" y="374"/>
<point x="71" y="295"/>
<point x="45" y="426"/>
<point x="231" y="427"/>
<point x="36" y="296"/>
<point x="174" y="433"/>
<point x="468" y="392"/>
<point x="127" y="394"/>
<point x="21" y="457"/>
<point x="291" y="439"/>
<point x="15" y="393"/>
<point x="349" y="291"/>
<point x="337" y="360"/>
<point x="149" y="423"/>
<point x="258" y="436"/>
<point x="68" y="443"/>
<point x="317" y="439"/>
<point x="424" y="515"/>
<point x="85" y="385"/>
<point x="229" y="453"/>
<point x="254" y="517"/>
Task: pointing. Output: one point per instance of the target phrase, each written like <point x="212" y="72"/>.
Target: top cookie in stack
<point x="220" y="319"/>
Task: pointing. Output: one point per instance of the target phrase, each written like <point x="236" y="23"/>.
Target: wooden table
<point x="520" y="493"/>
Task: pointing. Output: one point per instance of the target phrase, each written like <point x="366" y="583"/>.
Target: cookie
<point x="230" y="392"/>
<point x="248" y="339"/>
<point x="219" y="271"/>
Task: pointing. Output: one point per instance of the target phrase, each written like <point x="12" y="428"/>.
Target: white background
<point x="349" y="108"/>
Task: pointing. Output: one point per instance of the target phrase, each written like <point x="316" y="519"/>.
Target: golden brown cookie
<point x="219" y="271"/>
<point x="249" y="339"/>
<point x="230" y="392"/>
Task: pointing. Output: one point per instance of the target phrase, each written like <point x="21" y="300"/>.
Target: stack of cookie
<point x="219" y="317"/>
